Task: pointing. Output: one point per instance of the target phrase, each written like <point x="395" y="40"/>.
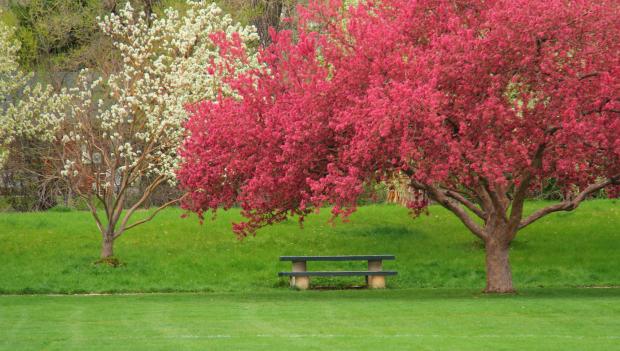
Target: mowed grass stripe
<point x="535" y="319"/>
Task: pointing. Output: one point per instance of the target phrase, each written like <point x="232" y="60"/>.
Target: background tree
<point x="122" y="129"/>
<point x="268" y="15"/>
<point x="27" y="112"/>
<point x="475" y="103"/>
<point x="59" y="36"/>
<point x="263" y="14"/>
<point x="11" y="79"/>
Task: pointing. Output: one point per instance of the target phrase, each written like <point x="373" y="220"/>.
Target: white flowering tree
<point x="29" y="112"/>
<point x="26" y="110"/>
<point x="123" y="129"/>
<point x="11" y="78"/>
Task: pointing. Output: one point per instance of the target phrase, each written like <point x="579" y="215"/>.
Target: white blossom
<point x="26" y="110"/>
<point x="165" y="60"/>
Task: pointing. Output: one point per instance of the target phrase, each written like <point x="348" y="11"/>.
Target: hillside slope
<point x="54" y="252"/>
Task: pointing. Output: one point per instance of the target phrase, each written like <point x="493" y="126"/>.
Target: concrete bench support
<point x="300" y="282"/>
<point x="376" y="281"/>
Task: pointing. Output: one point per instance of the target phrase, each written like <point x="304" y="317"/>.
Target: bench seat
<point x="336" y="273"/>
<point x="338" y="258"/>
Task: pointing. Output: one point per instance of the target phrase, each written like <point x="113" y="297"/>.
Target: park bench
<point x="300" y="276"/>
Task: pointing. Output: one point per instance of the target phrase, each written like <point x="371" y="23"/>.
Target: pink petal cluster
<point x="453" y="94"/>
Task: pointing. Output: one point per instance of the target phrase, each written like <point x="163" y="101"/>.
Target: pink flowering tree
<point x="472" y="103"/>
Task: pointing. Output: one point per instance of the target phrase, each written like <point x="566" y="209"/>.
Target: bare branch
<point x="568" y="205"/>
<point x="516" y="211"/>
<point x="497" y="203"/>
<point x="469" y="204"/>
<point x="147" y="193"/>
<point x="447" y="202"/>
<point x="167" y="204"/>
<point x="93" y="212"/>
<point x="599" y="109"/>
<point x="485" y="199"/>
<point x="589" y="75"/>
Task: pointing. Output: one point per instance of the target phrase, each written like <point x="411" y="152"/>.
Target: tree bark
<point x="107" y="247"/>
<point x="499" y="275"/>
<point x="269" y="12"/>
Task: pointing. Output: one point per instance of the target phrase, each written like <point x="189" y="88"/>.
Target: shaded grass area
<point x="54" y="252"/>
<point x="420" y="319"/>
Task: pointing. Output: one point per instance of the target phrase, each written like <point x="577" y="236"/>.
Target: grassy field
<point x="239" y="303"/>
<point x="403" y="319"/>
<point x="54" y="252"/>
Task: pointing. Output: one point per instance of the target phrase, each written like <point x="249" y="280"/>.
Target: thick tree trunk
<point x="499" y="275"/>
<point x="107" y="247"/>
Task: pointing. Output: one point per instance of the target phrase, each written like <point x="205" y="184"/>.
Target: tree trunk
<point x="269" y="12"/>
<point x="107" y="247"/>
<point x="499" y="275"/>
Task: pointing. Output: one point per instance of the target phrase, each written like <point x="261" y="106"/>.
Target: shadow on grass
<point x="427" y="294"/>
<point x="382" y="231"/>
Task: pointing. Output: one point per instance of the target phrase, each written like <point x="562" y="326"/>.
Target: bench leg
<point x="375" y="281"/>
<point x="301" y="283"/>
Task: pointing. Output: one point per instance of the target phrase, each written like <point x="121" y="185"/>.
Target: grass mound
<point x="53" y="252"/>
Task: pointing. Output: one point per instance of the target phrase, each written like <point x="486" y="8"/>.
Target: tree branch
<point x="516" y="211"/>
<point x="497" y="203"/>
<point x="470" y="205"/>
<point x="149" y="218"/>
<point x="93" y="212"/>
<point x="589" y="75"/>
<point x="147" y="193"/>
<point x="485" y="199"/>
<point x="439" y="195"/>
<point x="568" y="205"/>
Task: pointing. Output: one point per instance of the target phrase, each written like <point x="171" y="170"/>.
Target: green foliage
<point x="161" y="5"/>
<point x="62" y="35"/>
<point x="57" y="32"/>
<point x="8" y="18"/>
<point x="4" y="204"/>
<point x="54" y="252"/>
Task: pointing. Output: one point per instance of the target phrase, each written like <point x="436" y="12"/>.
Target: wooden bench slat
<point x="336" y="273"/>
<point x="338" y="258"/>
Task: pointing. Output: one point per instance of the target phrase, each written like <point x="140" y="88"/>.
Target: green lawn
<point x="433" y="304"/>
<point x="420" y="319"/>
<point x="53" y="252"/>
